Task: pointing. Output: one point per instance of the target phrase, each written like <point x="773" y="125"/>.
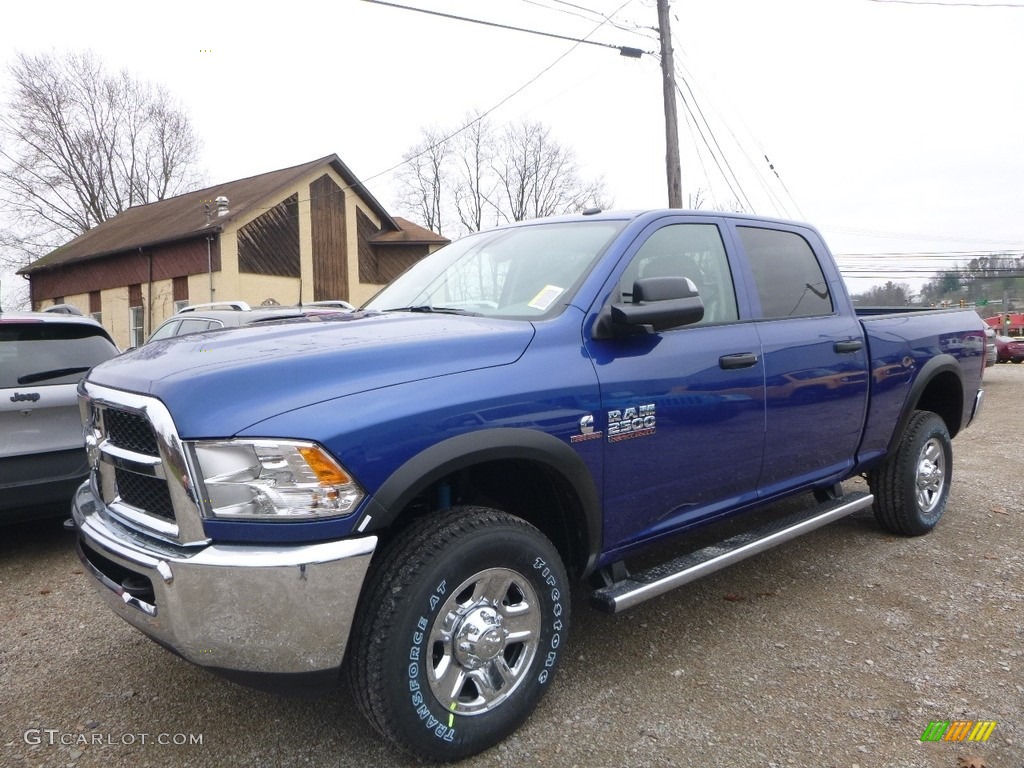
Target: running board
<point x="638" y="587"/>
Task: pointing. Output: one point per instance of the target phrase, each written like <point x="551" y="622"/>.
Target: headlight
<point x="273" y="480"/>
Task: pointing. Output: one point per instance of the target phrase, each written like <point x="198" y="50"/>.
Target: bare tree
<point x="491" y="177"/>
<point x="473" y="182"/>
<point x="79" y="145"/>
<point x="540" y="177"/>
<point x="423" y="178"/>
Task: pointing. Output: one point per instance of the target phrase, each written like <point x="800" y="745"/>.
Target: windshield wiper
<point x="426" y="308"/>
<point x="56" y="373"/>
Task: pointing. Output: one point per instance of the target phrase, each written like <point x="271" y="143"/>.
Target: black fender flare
<point x="466" y="450"/>
<point x="937" y="365"/>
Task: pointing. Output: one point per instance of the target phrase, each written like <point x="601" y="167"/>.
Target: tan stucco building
<point x="308" y="233"/>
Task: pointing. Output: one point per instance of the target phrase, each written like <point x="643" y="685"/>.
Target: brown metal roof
<point x="184" y="216"/>
<point x="410" y="234"/>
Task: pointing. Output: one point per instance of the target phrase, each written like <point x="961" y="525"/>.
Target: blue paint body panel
<point x="382" y="391"/>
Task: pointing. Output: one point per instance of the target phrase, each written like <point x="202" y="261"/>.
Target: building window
<point x="137" y="333"/>
<point x="96" y="306"/>
<point x="136" y="317"/>
<point x="180" y="292"/>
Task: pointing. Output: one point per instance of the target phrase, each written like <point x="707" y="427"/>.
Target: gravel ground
<point x="833" y="650"/>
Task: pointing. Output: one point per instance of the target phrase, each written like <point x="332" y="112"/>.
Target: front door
<point x="683" y="409"/>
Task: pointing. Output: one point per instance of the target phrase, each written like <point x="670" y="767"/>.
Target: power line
<point x="951" y="5"/>
<point x="691" y="81"/>
<point x="719" y="157"/>
<point x="773" y="198"/>
<point x="472" y="122"/>
<point x="634" y="29"/>
<point x="933" y="254"/>
<point x="622" y="49"/>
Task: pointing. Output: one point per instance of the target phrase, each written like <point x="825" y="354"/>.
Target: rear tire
<point x="911" y="487"/>
<point x="459" y="632"/>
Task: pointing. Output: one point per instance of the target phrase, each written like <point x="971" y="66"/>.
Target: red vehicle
<point x="1009" y="349"/>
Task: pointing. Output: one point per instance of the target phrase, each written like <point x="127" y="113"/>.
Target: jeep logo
<point x="31" y="397"/>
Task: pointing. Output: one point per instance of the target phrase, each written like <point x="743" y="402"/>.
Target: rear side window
<point x="41" y="354"/>
<point x="789" y="279"/>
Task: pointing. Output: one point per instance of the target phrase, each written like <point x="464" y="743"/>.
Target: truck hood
<point x="217" y="384"/>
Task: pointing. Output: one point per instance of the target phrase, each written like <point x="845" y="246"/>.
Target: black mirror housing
<point x="659" y="304"/>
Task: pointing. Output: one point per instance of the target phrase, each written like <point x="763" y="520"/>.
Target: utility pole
<point x="668" y="80"/>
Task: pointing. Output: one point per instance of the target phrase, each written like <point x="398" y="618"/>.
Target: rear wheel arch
<point x="528" y="473"/>
<point x="939" y="388"/>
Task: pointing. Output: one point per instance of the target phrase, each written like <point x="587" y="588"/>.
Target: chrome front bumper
<point x="253" y="610"/>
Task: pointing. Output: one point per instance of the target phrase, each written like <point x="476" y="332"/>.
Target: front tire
<point x="911" y="487"/>
<point x="459" y="632"/>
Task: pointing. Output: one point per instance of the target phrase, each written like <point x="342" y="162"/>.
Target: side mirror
<point x="659" y="303"/>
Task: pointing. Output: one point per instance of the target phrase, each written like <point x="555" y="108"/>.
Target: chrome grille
<point x="140" y="467"/>
<point x="147" y="494"/>
<point x="131" y="431"/>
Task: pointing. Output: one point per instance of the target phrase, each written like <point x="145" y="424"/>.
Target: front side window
<point x="789" y="279"/>
<point x="520" y="273"/>
<point x="694" y="251"/>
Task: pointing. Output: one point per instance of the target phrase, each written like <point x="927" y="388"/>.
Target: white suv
<point x="43" y="356"/>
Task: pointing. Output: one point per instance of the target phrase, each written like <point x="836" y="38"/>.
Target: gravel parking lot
<point x="837" y="649"/>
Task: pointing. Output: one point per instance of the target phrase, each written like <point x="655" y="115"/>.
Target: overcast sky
<point x="893" y="127"/>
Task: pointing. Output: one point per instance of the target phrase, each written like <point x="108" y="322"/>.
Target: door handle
<point x="741" y="360"/>
<point x="846" y="347"/>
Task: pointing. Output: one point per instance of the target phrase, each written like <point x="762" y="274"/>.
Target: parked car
<point x="43" y="356"/>
<point x="400" y="495"/>
<point x="228" y="314"/>
<point x="991" y="353"/>
<point x="1009" y="349"/>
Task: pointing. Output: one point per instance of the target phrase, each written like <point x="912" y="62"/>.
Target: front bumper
<point x="263" y="615"/>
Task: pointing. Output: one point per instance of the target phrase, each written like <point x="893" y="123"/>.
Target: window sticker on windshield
<point x="543" y="300"/>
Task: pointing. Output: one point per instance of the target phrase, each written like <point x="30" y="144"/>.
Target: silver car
<point x="43" y="356"/>
<point x="229" y="314"/>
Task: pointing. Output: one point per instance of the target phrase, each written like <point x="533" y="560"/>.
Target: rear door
<point x="682" y="410"/>
<point x="814" y="356"/>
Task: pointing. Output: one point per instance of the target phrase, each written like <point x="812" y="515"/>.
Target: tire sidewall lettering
<point x="554" y="636"/>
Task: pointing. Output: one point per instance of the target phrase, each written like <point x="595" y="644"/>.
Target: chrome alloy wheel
<point x="931" y="475"/>
<point x="483" y="641"/>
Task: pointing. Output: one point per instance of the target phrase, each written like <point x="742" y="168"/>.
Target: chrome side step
<point x="655" y="581"/>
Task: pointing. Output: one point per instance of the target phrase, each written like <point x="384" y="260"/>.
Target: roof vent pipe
<point x="222" y="206"/>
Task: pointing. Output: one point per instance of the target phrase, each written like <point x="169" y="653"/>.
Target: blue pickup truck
<point x="403" y="495"/>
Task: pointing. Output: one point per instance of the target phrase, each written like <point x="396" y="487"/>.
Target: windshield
<point x="522" y="272"/>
